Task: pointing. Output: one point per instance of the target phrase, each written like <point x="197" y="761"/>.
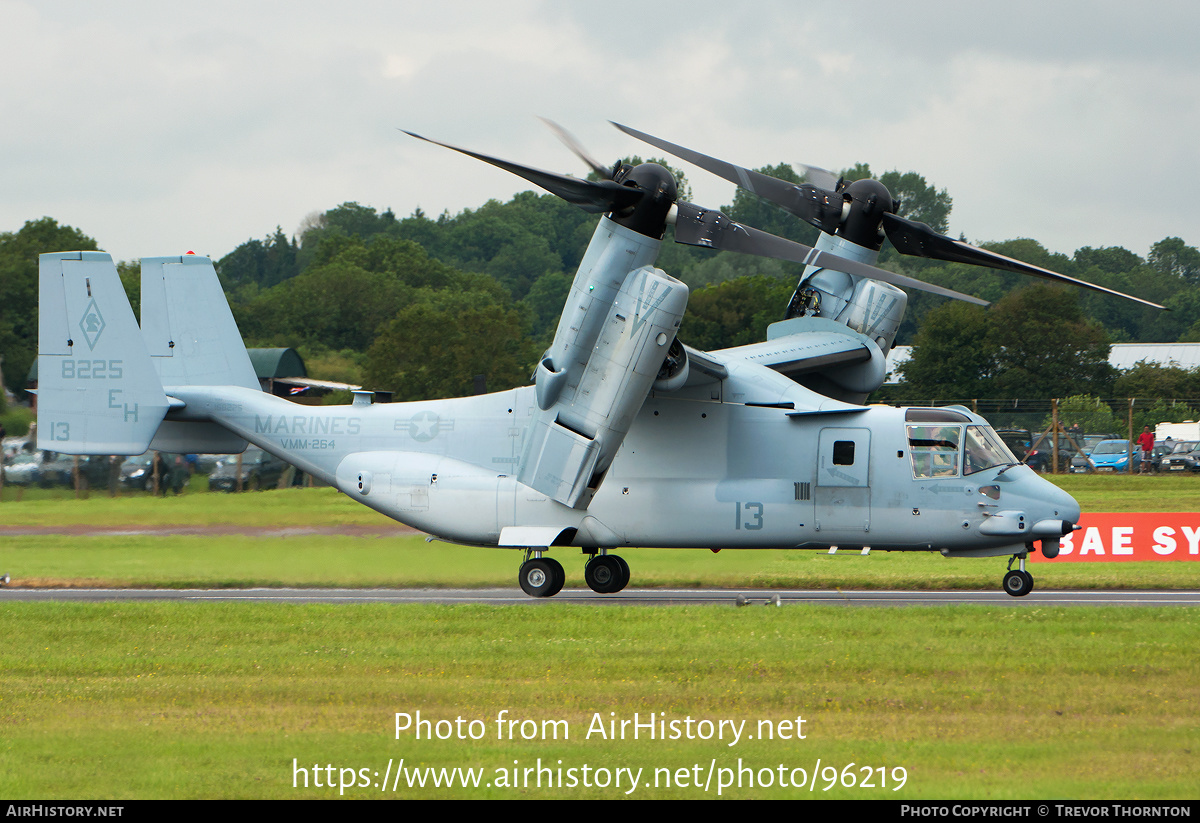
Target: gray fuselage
<point x="717" y="466"/>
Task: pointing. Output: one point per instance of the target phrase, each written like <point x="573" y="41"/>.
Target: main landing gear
<point x="1018" y="582"/>
<point x="606" y="573"/>
<point x="541" y="576"/>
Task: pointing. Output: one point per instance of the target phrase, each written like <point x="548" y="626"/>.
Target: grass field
<point x="245" y="700"/>
<point x="324" y="506"/>
<point x="182" y="561"/>
<point x="209" y="700"/>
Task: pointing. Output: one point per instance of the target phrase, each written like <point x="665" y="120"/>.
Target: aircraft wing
<point x="799" y="347"/>
<point x="703" y="367"/>
<point x="798" y="353"/>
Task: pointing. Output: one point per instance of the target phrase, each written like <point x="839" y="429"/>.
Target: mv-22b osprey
<point x="627" y="437"/>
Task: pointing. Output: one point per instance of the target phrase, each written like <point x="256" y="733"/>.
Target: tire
<point x="560" y="576"/>
<point x="1018" y="583"/>
<point x="624" y="581"/>
<point x="538" y="577"/>
<point x="603" y="574"/>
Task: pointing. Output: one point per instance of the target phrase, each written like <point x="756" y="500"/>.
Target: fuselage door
<point x="843" y="493"/>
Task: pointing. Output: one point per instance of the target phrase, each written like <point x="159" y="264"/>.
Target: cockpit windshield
<point x="985" y="450"/>
<point x="935" y="450"/>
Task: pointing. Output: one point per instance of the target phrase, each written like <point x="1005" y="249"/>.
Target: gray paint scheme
<point x="734" y="454"/>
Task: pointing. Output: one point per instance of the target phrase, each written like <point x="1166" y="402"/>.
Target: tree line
<point x="420" y="305"/>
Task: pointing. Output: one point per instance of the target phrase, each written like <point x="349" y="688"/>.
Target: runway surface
<point x="629" y="597"/>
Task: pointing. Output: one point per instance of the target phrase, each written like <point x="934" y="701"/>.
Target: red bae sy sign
<point x="1108" y="536"/>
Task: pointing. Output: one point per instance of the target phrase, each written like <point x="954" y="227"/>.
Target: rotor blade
<point x="697" y="226"/>
<point x="819" y="177"/>
<point x="598" y="197"/>
<point x="918" y="239"/>
<point x="576" y="147"/>
<point x="819" y="207"/>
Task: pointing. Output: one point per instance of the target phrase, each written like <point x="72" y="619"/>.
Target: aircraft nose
<point x="1056" y="502"/>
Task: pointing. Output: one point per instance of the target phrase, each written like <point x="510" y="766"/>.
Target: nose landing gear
<point x="1018" y="582"/>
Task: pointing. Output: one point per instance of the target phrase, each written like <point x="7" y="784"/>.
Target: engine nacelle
<point x="872" y="308"/>
<point x="675" y="369"/>
<point x="875" y="310"/>
<point x="586" y="413"/>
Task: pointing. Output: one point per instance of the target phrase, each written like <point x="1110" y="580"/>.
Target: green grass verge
<point x="287" y="508"/>
<point x="410" y="562"/>
<point x="1136" y="493"/>
<point x="325" y="506"/>
<point x="144" y="700"/>
<point x="176" y="561"/>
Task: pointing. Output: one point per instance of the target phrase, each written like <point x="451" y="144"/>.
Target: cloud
<point x="159" y="126"/>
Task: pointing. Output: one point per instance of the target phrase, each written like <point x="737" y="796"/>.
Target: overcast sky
<point x="159" y="127"/>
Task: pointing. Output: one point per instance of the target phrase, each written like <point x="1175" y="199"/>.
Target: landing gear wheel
<point x="541" y="577"/>
<point x="602" y="573"/>
<point x="624" y="572"/>
<point x="606" y="574"/>
<point x="560" y="576"/>
<point x="1018" y="583"/>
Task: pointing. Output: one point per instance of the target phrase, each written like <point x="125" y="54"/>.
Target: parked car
<point x="1114" y="456"/>
<point x="1087" y="443"/>
<point x="260" y="470"/>
<point x="1017" y="440"/>
<point x="1042" y="451"/>
<point x="23" y="469"/>
<point x="137" y="472"/>
<point x="47" y="469"/>
<point x="56" y="470"/>
<point x="204" y="463"/>
<point x="1161" y="449"/>
<point x="12" y="446"/>
<point x="1184" y="457"/>
<point x="1091" y="441"/>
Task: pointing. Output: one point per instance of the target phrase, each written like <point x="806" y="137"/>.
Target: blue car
<point x="1113" y="456"/>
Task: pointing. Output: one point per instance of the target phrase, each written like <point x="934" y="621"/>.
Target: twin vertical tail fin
<point x="98" y="392"/>
<point x="193" y="341"/>
<point x="187" y="325"/>
<point x="101" y="378"/>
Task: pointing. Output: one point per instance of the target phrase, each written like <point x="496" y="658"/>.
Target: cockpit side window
<point x="985" y="450"/>
<point x="934" y="450"/>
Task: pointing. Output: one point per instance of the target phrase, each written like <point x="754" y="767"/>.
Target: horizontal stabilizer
<point x="191" y="437"/>
<point x="97" y="390"/>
